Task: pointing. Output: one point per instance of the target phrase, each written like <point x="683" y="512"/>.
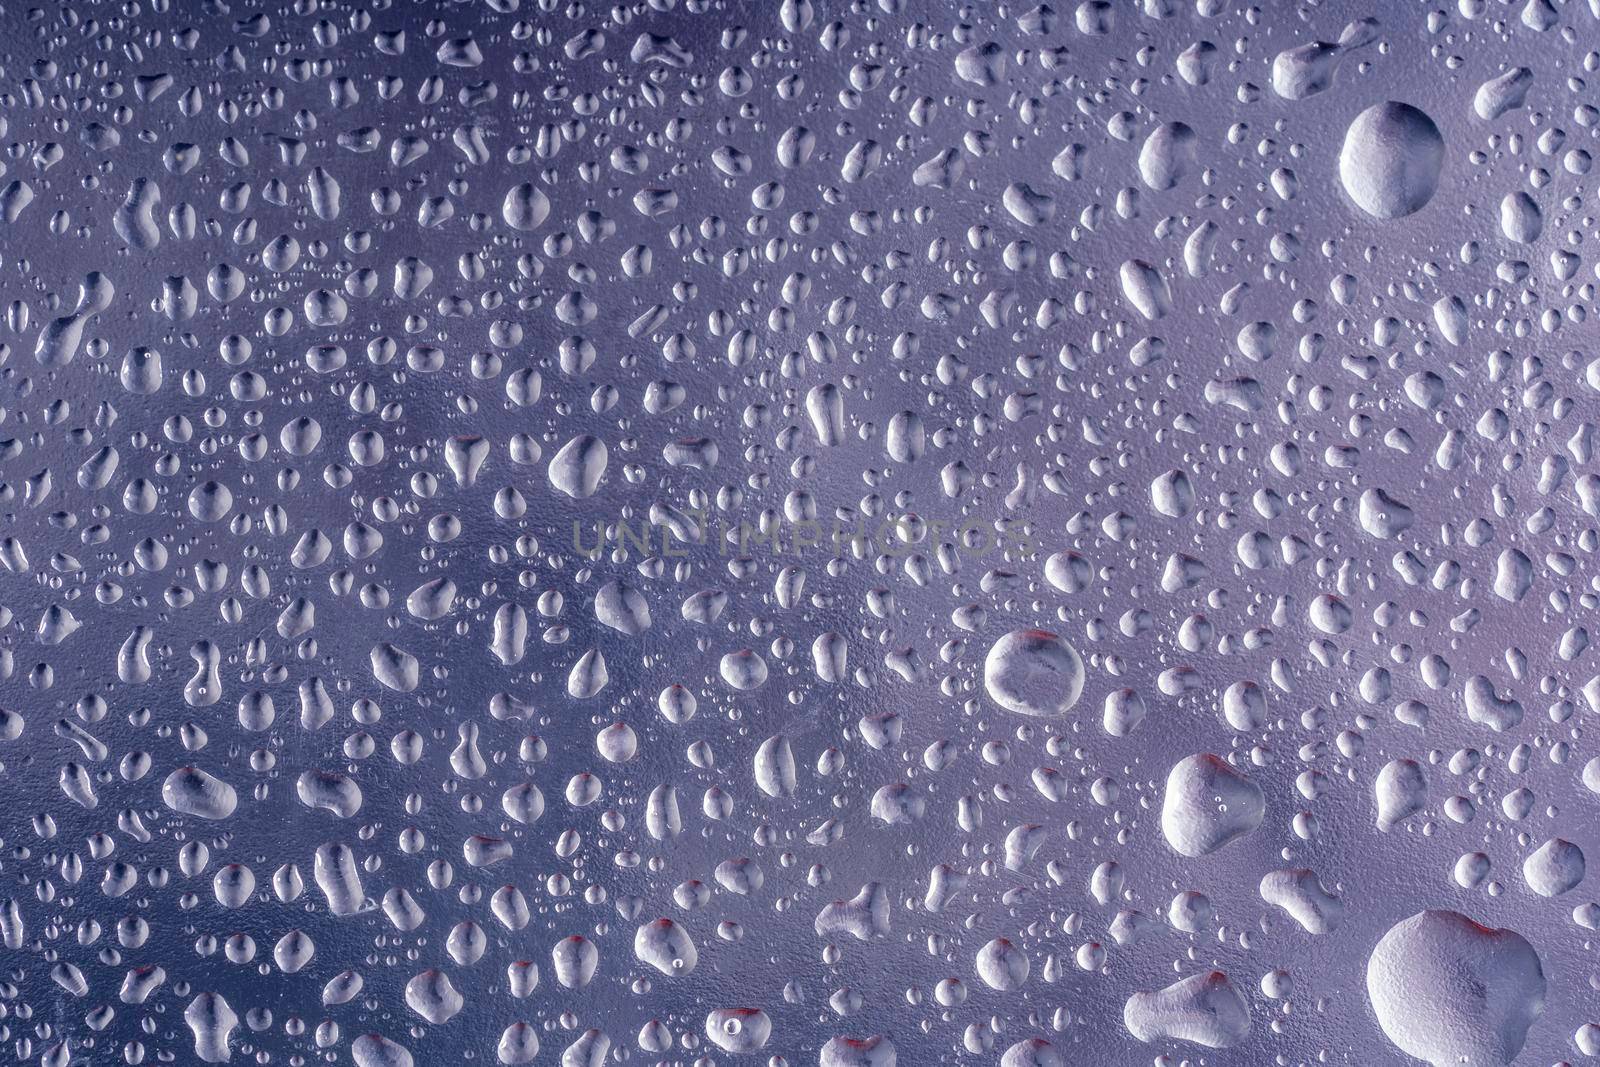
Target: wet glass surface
<point x="798" y="533"/>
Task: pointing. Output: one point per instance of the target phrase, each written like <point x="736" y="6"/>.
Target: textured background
<point x="755" y="203"/>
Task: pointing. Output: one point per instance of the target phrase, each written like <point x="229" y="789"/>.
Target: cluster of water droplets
<point x="835" y="533"/>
